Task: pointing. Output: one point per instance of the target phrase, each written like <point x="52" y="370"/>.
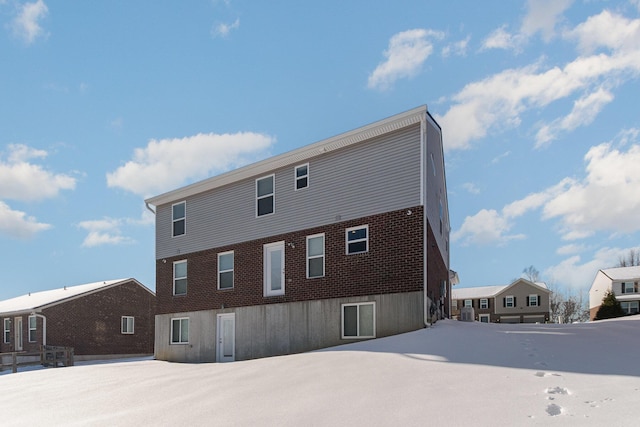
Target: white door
<point x="226" y="337"/>
<point x="274" y="269"/>
<point x="18" y="322"/>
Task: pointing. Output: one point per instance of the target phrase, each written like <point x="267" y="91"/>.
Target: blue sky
<point x="105" y="103"/>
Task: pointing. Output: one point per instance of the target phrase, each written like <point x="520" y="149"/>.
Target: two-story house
<point x="341" y="240"/>
<point x="623" y="282"/>
<point x="520" y="302"/>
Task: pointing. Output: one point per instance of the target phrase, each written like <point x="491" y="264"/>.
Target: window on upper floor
<point x="629" y="307"/>
<point x="359" y="320"/>
<point x="180" y="330"/>
<point x="315" y="256"/>
<point x="7" y="330"/>
<point x="533" y="301"/>
<point x="180" y="277"/>
<point x="33" y="322"/>
<point x="484" y="303"/>
<point x="468" y="303"/>
<point x="265" y="195"/>
<point x="629" y="287"/>
<point x="509" y="301"/>
<point x="127" y="323"/>
<point x="225" y="270"/>
<point x="179" y="218"/>
<point x="357" y="239"/>
<point x="302" y="176"/>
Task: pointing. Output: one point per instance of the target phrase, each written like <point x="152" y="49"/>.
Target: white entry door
<point x="226" y="337"/>
<point x="18" y="322"/>
<point x="274" y="269"/>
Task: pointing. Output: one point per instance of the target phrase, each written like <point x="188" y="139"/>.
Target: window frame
<point x="7" y="330"/>
<point x="174" y="220"/>
<point x="483" y="304"/>
<point x="631" y="285"/>
<point x="310" y="257"/>
<point x="530" y="300"/>
<point x="124" y="326"/>
<point x="365" y="239"/>
<point x="342" y="320"/>
<point x="298" y="178"/>
<point x="232" y="270"/>
<point x="183" y="261"/>
<point x="180" y="339"/>
<point x="264" y="196"/>
<point x="33" y="330"/>
<point x="628" y="310"/>
<point x="468" y="303"/>
<point x="509" y="298"/>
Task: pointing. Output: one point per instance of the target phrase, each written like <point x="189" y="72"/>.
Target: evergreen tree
<point x="610" y="307"/>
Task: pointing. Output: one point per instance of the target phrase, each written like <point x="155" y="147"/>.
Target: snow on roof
<point x="477" y="292"/>
<point x="35" y="300"/>
<point x="622" y="273"/>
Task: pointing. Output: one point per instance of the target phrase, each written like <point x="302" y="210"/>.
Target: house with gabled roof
<point x="623" y="282"/>
<point x="522" y="301"/>
<point x="345" y="239"/>
<point x="99" y="320"/>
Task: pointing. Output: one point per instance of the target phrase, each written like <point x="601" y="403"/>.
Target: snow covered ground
<point x="453" y="374"/>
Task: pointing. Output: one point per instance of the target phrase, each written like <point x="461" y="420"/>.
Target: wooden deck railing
<point x="47" y="356"/>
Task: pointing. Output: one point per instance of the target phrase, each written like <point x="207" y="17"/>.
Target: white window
<point x="7" y="330"/>
<point x="180" y="330"/>
<point x="628" y="288"/>
<point x="357" y="239"/>
<point x="468" y="303"/>
<point x="302" y="176"/>
<point x="315" y="256"/>
<point x="629" y="307"/>
<point x="180" y="277"/>
<point x="359" y="320"/>
<point x="225" y="270"/>
<point x="265" y="195"/>
<point x="127" y="324"/>
<point x="510" y="301"/>
<point x="32" y="328"/>
<point x="533" y="301"/>
<point x="484" y="303"/>
<point x="179" y="217"/>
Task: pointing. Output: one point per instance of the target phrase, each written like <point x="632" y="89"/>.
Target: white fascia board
<point x="294" y="157"/>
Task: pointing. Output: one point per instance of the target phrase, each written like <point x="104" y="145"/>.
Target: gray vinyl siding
<point x="368" y="178"/>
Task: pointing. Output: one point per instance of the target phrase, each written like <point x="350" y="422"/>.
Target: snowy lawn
<point x="453" y="374"/>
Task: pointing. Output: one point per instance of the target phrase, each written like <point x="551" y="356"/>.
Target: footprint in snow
<point x="554" y="410"/>
<point x="545" y="374"/>
<point x="557" y="390"/>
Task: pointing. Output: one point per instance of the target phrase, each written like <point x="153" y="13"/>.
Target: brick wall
<point x="393" y="264"/>
<point x="437" y="272"/>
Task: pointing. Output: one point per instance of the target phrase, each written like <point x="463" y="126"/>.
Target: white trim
<point x="358" y="305"/>
<point x="130" y="323"/>
<point x="220" y="356"/>
<point x="308" y="257"/>
<point x="179" y="342"/>
<point x="537" y="304"/>
<point x="6" y="325"/>
<point x="296" y="178"/>
<point x="34" y="329"/>
<point x="267" y="250"/>
<point x="487" y="316"/>
<point x="232" y="270"/>
<point x="347" y="241"/>
<point x="182" y="261"/>
<point x="506" y="301"/>
<point x="19" y="337"/>
<point x="381" y="127"/>
<point x="480" y="304"/>
<point x="468" y="305"/>
<point x="184" y="218"/>
<point x="264" y="196"/>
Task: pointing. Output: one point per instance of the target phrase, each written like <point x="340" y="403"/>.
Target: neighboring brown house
<point x="520" y="302"/>
<point x="101" y="319"/>
<point x="341" y="240"/>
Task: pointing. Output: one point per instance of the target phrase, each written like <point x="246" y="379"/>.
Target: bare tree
<point x="531" y="274"/>
<point x="631" y="259"/>
<point x="568" y="306"/>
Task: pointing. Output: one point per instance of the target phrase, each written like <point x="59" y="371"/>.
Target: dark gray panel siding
<point x="436" y="190"/>
<point x="376" y="176"/>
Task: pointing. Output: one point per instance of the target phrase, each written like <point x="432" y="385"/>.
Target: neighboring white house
<point x="623" y="281"/>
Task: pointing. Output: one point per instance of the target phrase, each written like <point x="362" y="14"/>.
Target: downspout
<point x="149" y="207"/>
<point x="44" y="326"/>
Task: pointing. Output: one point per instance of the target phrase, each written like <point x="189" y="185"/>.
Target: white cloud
<point x="584" y="112"/>
<point x="458" y="48"/>
<point x="497" y="102"/>
<point x="17" y="224"/>
<point x="169" y="163"/>
<point x="223" y="29"/>
<point x="570" y="249"/>
<point x="26" y="25"/>
<point x="106" y="231"/>
<point x="574" y="274"/>
<point x="501" y="39"/>
<point x="21" y="180"/>
<point x="607" y="199"/>
<point x="471" y="187"/>
<point x="485" y="227"/>
<point x="543" y="16"/>
<point x="405" y="55"/>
